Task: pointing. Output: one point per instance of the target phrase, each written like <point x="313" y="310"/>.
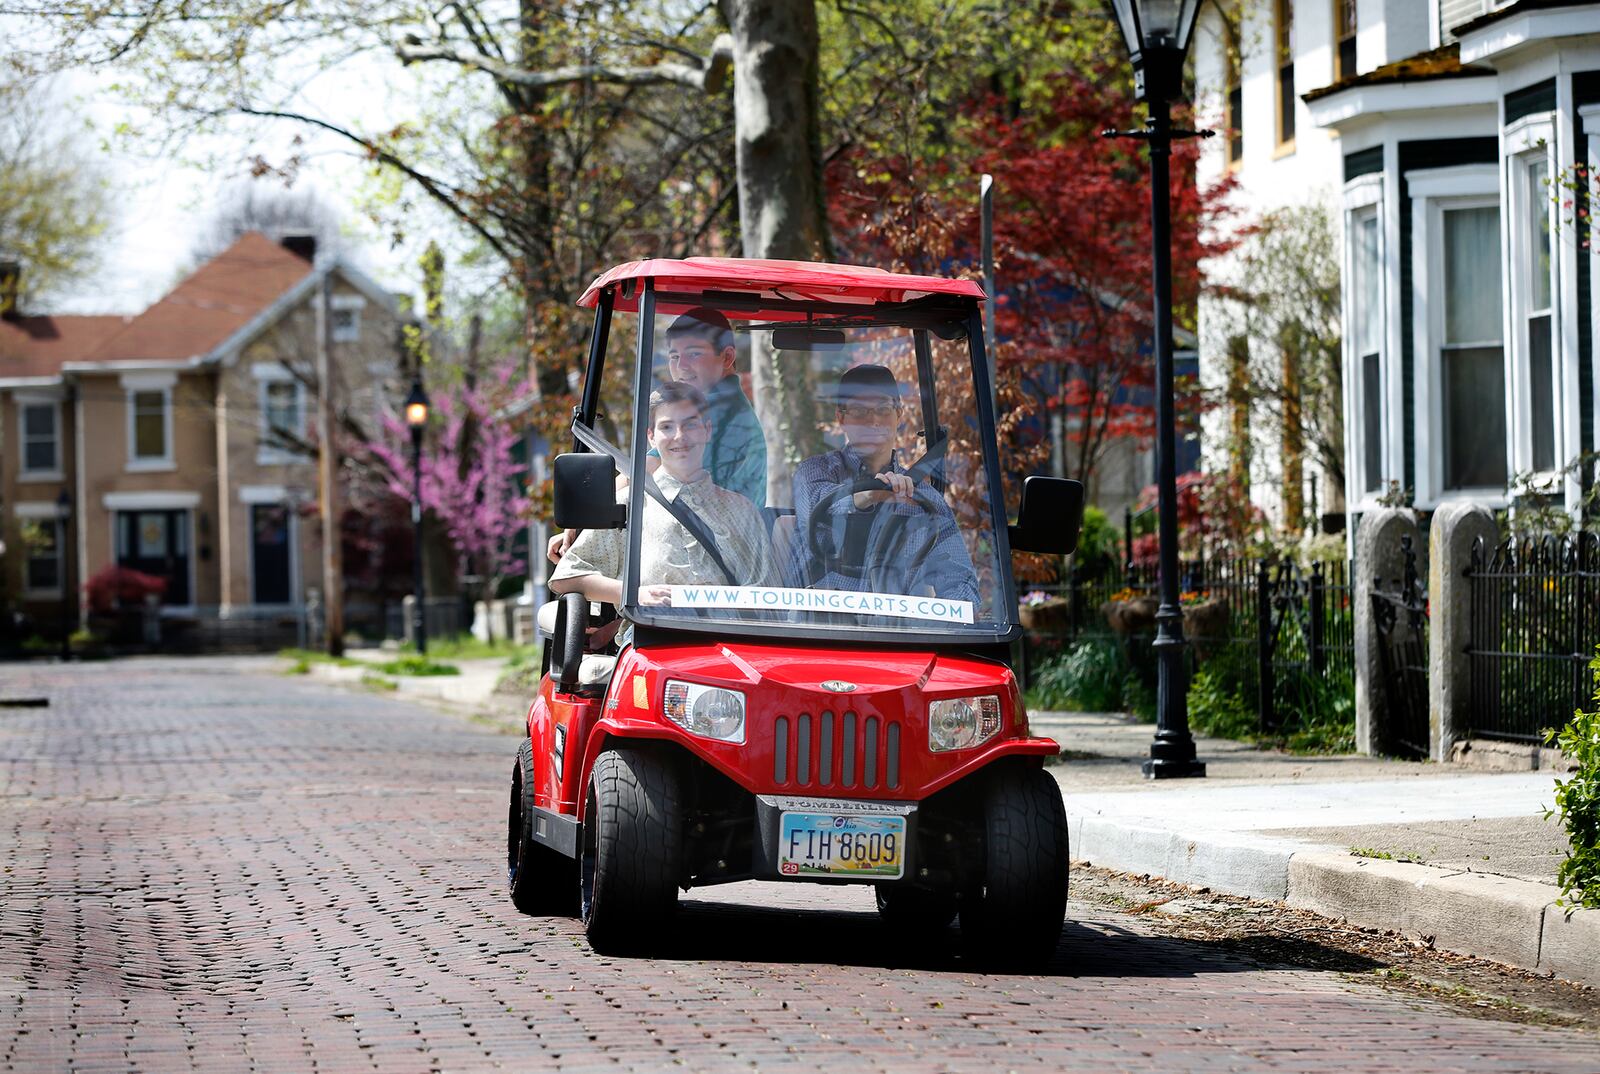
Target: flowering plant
<point x="1035" y="597"/>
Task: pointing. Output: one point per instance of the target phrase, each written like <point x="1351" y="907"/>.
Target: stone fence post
<point x="1377" y="556"/>
<point x="1455" y="527"/>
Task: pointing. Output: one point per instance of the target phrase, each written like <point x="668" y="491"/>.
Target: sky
<point x="164" y="196"/>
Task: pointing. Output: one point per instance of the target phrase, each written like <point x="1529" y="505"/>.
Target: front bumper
<point x="767" y="850"/>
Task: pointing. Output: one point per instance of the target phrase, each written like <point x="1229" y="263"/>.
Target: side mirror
<point x="1050" y="518"/>
<point x="586" y="493"/>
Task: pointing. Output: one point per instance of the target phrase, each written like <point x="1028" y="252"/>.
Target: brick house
<point x="182" y="437"/>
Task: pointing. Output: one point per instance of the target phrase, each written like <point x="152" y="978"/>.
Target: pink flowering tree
<point x="470" y="479"/>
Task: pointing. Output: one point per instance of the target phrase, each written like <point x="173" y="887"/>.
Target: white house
<point x="1442" y="130"/>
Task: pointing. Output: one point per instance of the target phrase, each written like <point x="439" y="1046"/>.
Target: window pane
<point x="151" y="535"/>
<point x="39" y="455"/>
<point x="1472" y="276"/>
<point x="149" y="425"/>
<point x="1286" y="99"/>
<point x="1542" y="377"/>
<point x="1474" y="409"/>
<point x="1539" y="236"/>
<point x="1372" y="422"/>
<point x="1368" y="285"/>
<point x="44" y="560"/>
<point x="282" y="409"/>
<point x="1235" y="123"/>
<point x="39" y="420"/>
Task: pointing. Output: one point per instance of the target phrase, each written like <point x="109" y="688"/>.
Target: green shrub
<point x="1323" y="717"/>
<point x="1578" y="800"/>
<point x="412" y="664"/>
<point x="1089" y="677"/>
<point x="1217" y="709"/>
<point x="1099" y="543"/>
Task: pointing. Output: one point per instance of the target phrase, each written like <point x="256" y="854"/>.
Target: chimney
<point x="10" y="288"/>
<point x="302" y="246"/>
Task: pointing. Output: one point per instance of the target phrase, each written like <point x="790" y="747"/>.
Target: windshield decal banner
<point x="774" y="598"/>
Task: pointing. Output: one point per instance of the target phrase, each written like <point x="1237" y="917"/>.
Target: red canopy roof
<point x="804" y="280"/>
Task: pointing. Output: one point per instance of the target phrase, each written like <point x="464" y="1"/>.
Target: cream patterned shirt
<point x="669" y="554"/>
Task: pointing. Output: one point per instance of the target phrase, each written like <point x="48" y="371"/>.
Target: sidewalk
<point x="1449" y="853"/>
<point x="473" y="688"/>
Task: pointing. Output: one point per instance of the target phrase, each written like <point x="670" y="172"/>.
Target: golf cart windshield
<point x="806" y="466"/>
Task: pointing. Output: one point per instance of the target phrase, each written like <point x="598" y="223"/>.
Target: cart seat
<point x="595" y="668"/>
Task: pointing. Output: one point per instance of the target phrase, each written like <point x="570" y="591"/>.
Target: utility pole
<point x="332" y="554"/>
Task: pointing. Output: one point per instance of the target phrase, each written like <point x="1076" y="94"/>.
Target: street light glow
<point x="416" y="405"/>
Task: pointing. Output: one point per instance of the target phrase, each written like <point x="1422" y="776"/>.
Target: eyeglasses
<point x="863" y="411"/>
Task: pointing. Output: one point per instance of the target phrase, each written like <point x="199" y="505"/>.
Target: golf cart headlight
<point x="709" y="711"/>
<point x="962" y="722"/>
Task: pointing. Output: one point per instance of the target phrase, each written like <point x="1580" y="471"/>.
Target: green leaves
<point x="1578" y="801"/>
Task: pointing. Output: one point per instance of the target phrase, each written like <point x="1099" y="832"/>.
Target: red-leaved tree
<point x="1073" y="222"/>
<point x="471" y="483"/>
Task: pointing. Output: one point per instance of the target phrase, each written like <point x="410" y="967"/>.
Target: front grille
<point x="850" y="752"/>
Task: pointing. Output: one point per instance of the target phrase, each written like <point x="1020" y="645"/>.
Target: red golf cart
<point x="811" y="679"/>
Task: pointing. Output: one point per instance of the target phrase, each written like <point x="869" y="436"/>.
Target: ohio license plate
<point x="842" y="844"/>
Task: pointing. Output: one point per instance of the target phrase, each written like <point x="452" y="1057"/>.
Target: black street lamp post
<point x="64" y="556"/>
<point x="417" y="419"/>
<point x="1157" y="34"/>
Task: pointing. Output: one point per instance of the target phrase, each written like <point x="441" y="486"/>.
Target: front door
<point x="269" y="554"/>
<point x="157" y="543"/>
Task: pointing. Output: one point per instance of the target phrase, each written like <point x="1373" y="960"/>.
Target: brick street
<point x="215" y="868"/>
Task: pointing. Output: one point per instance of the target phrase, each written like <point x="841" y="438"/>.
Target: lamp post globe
<point x="416" y="412"/>
<point x="1157" y="33"/>
<point x="416" y="405"/>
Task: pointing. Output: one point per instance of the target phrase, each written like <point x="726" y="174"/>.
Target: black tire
<point x="1015" y="920"/>
<point x="632" y="850"/>
<point x="915" y="910"/>
<point x="542" y="881"/>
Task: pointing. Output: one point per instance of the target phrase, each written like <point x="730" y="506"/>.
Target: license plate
<point x="839" y="844"/>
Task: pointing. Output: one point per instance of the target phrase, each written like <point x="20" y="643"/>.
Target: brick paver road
<point x="221" y="870"/>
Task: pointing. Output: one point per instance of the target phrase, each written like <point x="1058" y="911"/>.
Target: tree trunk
<point x="1239" y="414"/>
<point x="541" y="280"/>
<point x="781" y="200"/>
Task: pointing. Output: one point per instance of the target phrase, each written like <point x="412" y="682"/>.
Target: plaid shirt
<point x="947" y="566"/>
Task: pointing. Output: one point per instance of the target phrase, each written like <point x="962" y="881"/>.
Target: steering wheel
<point x="887" y="550"/>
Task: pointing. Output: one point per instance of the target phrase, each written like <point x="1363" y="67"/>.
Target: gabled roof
<point x="207" y="317"/>
<point x="209" y="306"/>
<point x="35" y="347"/>
<point x="1442" y="62"/>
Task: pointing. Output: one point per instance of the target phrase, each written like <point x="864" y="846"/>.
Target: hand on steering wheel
<point x="885" y="550"/>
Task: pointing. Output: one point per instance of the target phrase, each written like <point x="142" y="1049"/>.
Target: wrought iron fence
<point x="1284" y="623"/>
<point x="1305" y="631"/>
<point x="1534" y="623"/>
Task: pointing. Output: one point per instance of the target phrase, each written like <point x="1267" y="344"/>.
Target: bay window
<point x="1366" y="320"/>
<point x="1472" y="379"/>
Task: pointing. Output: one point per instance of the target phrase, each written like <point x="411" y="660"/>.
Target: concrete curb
<point x="1516" y="922"/>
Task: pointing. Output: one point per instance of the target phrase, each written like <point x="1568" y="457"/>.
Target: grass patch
<point x="304" y="658"/>
<point x="379" y="683"/>
<point x="469" y="647"/>
<point x="1092" y="676"/>
<point x="1384" y="855"/>
<point x="412" y="664"/>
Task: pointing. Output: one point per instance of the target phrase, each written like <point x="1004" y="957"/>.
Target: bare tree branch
<point x="710" y="77"/>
